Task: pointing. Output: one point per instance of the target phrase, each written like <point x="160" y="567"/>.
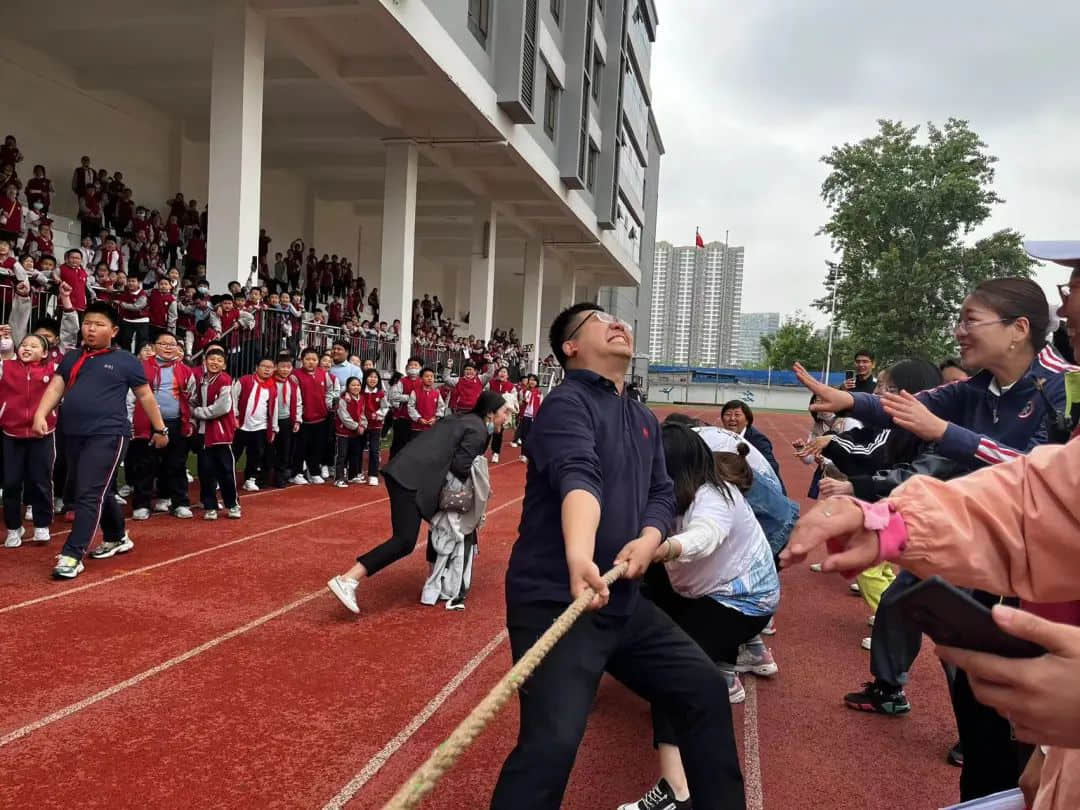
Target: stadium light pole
<point x="832" y="324"/>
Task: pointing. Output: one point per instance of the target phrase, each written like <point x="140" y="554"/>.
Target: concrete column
<point x="568" y="291"/>
<point x="482" y="275"/>
<point x="399" y="243"/>
<point x="532" y="300"/>
<point x="236" y="119"/>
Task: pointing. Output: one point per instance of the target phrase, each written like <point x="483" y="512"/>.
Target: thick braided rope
<point x="442" y="759"/>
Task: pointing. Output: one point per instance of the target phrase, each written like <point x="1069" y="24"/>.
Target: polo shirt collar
<point x="592" y="378"/>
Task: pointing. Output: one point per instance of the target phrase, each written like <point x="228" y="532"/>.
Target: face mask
<point x="204" y="289"/>
<point x="413" y="372"/>
<point x="491" y="428"/>
<point x="7" y="345"/>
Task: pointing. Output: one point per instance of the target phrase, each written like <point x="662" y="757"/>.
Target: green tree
<point x="798" y="340"/>
<point x="900" y="209"/>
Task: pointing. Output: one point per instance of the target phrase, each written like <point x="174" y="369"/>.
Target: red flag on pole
<point x="698" y="241"/>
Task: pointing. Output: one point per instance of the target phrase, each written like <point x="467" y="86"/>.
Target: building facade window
<point x="556" y="11"/>
<point x="590" y="170"/>
<point x="597" y="72"/>
<point x="551" y="105"/>
<point x="480" y="19"/>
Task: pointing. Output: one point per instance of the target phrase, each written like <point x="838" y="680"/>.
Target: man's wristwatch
<point x="163" y="432"/>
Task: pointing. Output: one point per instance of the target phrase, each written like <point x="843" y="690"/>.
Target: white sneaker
<point x="854" y="588"/>
<point x="373" y="481"/>
<point x="735" y="691"/>
<point x="250" y="485"/>
<point x="58" y="506"/>
<point x="523" y="460"/>
<point x="14" y="537"/>
<point x="870" y="619"/>
<point x="345" y="590"/>
<point x="759" y="663"/>
<point x="770" y="628"/>
<point x="29" y="513"/>
<point x="161" y="505"/>
<point x="190" y="477"/>
<point x="67" y="567"/>
<point x="515" y="444"/>
<point x="324" y="471"/>
<point x="125" y="491"/>
<point x="494" y="458"/>
<point x="109" y="549"/>
<point x="341" y="484"/>
<point x="235" y="513"/>
<point x="42" y="536"/>
<point x="318" y="479"/>
<point x="140" y="514"/>
<point x="210" y="514"/>
<point x="182" y="512"/>
<point x="120" y="498"/>
<point x="865" y="643"/>
<point x="358" y="479"/>
<point x="298" y="479"/>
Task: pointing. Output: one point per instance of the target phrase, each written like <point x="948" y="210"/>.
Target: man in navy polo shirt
<point x="93" y="382"/>
<point x="597" y="471"/>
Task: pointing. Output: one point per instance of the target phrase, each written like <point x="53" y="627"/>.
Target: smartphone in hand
<point x="953" y="618"/>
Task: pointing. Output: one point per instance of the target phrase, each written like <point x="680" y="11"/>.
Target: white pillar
<point x="568" y="292"/>
<point x="399" y="243"/>
<point x="532" y="300"/>
<point x="482" y="277"/>
<point x="236" y="120"/>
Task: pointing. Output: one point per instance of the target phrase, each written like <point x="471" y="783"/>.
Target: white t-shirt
<point x="255" y="418"/>
<point x="725" y="555"/>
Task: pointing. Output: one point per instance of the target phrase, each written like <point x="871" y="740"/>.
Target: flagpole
<point x="832" y="327"/>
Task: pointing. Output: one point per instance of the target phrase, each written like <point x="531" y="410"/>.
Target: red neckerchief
<point x="74" y="373"/>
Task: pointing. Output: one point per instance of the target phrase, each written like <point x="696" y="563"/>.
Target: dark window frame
<point x="556" y="11"/>
<point x="551" y="104"/>
<point x="479" y="20"/>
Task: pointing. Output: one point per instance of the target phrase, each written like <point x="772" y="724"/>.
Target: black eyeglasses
<point x="603" y="317"/>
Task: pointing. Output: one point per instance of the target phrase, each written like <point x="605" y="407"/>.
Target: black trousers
<point x="167" y="466"/>
<point x="133" y="336"/>
<point x="523" y="432"/>
<point x="217" y="468"/>
<point x="647" y="653"/>
<point x="895" y="642"/>
<point x="403" y="434"/>
<point x="252" y="442"/>
<point x="310" y="446"/>
<point x="280" y="453"/>
<point x="405" y="522"/>
<point x="28" y="474"/>
<point x="373" y="445"/>
<point x="348" y="455"/>
<point x="496" y="442"/>
<point x="94" y="461"/>
<point x="993" y="760"/>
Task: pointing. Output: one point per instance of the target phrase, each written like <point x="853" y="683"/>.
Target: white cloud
<point x="748" y="96"/>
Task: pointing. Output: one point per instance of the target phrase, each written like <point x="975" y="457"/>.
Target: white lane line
<point x="108" y="692"/>
<point x="375" y="764"/>
<point x="69" y="591"/>
<point x="67" y="711"/>
<point x="755" y="798"/>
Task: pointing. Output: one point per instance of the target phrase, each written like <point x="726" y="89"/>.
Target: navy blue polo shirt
<point x="586" y="436"/>
<point x="96" y="405"/>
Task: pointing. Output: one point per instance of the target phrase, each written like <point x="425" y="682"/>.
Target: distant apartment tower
<point x="696" y="300"/>
<point x="753" y="326"/>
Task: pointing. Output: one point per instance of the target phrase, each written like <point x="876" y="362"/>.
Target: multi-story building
<point x="753" y="326"/>
<point x="695" y="304"/>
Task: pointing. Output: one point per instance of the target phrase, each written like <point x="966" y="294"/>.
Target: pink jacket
<point x="1013" y="530"/>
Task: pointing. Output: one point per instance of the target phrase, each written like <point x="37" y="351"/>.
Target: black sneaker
<point x="660" y="797"/>
<point x="878" y="696"/>
<point x="955" y="755"/>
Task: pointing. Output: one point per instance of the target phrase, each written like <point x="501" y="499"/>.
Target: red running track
<point x="211" y="668"/>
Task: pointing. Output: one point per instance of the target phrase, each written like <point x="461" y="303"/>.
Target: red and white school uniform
<point x="256" y="405"/>
<point x="183" y="388"/>
<point x="76" y="277"/>
<point x="28" y="458"/>
<point x="314" y="387"/>
<point x="349" y="418"/>
<point x="425" y="403"/>
<point x="375" y="407"/>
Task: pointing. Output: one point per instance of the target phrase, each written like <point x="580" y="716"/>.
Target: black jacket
<point x="928" y="462"/>
<point x="450" y="445"/>
<point x="764" y="446"/>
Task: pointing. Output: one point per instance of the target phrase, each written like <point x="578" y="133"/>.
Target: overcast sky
<point x="749" y="96"/>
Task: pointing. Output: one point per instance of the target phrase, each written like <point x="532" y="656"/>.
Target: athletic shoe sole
<point x="761" y="670"/>
<point x="57" y="575"/>
<point x="887" y="707"/>
<point x="104" y="554"/>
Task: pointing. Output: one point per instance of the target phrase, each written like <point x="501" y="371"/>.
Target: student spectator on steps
<point x="213" y="409"/>
<point x="82" y="178"/>
<point x="466" y="388"/>
<point x="173" y="385"/>
<point x="11" y="218"/>
<point x="93" y="383"/>
<point x="318" y="391"/>
<point x="290" y="415"/>
<point x="73" y="273"/>
<point x="39" y="191"/>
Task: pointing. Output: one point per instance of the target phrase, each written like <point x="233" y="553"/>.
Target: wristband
<point x="882" y="517"/>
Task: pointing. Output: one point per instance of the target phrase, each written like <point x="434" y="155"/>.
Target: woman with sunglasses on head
<point x="997" y="415"/>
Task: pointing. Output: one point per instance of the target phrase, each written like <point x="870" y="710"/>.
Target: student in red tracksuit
<point x="376" y="406"/>
<point x="529" y="406"/>
<point x="162" y="306"/>
<point x="213" y="408"/>
<point x="350" y="427"/>
<point x="290" y="411"/>
<point x="318" y="391"/>
<point x="501" y="385"/>
<point x="28" y="458"/>
<point x="466" y="388"/>
<point x="426" y="407"/>
<point x="398" y="397"/>
<point x="255" y="405"/>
